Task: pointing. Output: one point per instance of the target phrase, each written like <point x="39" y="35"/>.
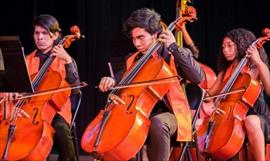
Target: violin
<point x="32" y="138"/>
<point x="125" y="120"/>
<point x="222" y="136"/>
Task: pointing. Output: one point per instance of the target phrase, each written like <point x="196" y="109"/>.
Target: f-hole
<point x="132" y="100"/>
<point x="35" y="122"/>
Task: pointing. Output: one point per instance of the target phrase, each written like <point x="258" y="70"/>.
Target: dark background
<point x="101" y="22"/>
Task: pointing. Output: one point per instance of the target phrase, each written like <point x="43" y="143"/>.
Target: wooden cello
<point x="246" y="152"/>
<point x="223" y="136"/>
<point x="32" y="138"/>
<point x="125" y="120"/>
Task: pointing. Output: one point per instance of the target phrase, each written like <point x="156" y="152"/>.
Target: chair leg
<point x="185" y="145"/>
<point x="75" y="141"/>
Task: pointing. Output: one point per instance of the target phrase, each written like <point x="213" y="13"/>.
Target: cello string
<point x="145" y="57"/>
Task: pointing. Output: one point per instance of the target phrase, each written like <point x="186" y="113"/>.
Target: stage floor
<point x="53" y="157"/>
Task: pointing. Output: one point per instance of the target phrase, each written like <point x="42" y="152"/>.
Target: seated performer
<point x="171" y="116"/>
<point x="236" y="44"/>
<point x="47" y="34"/>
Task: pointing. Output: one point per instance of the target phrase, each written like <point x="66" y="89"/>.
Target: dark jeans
<point x="63" y="139"/>
<point x="163" y="127"/>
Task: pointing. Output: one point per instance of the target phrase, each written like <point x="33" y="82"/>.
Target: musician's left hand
<point x="167" y="38"/>
<point x="61" y="53"/>
<point x="253" y="54"/>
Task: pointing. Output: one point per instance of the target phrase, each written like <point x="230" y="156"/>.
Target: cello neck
<point x="235" y="74"/>
<point x="65" y="41"/>
<point x="46" y="66"/>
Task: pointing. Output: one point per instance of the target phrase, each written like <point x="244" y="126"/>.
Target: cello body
<point x="128" y="122"/>
<point x="33" y="136"/>
<point x="227" y="134"/>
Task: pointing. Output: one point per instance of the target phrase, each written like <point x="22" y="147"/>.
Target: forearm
<point x="186" y="64"/>
<point x="190" y="44"/>
<point x="72" y="75"/>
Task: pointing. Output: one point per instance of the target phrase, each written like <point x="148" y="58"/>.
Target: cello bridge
<point x="220" y="111"/>
<point x="117" y="100"/>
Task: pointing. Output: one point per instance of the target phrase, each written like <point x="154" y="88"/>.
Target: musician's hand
<point x="167" y="38"/>
<point x="183" y="28"/>
<point x="12" y="96"/>
<point x="253" y="54"/>
<point x="61" y="53"/>
<point x="106" y="83"/>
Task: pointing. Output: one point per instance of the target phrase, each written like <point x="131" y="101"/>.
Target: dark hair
<point x="48" y="22"/>
<point x="145" y="18"/>
<point x="243" y="39"/>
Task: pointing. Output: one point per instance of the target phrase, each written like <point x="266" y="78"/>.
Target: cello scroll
<point x="265" y="37"/>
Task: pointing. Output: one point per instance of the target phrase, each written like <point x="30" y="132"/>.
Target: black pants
<point x="63" y="139"/>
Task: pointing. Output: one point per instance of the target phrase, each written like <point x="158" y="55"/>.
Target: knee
<point x="158" y="126"/>
<point x="61" y="126"/>
<point x="252" y="123"/>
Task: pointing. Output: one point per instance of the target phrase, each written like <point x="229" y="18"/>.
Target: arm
<point x="184" y="60"/>
<point x="72" y="75"/>
<point x="189" y="42"/>
<point x="262" y="69"/>
<point x="186" y="64"/>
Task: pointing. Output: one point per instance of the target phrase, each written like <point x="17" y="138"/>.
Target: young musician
<point x="236" y="44"/>
<point x="47" y="34"/>
<point x="168" y="118"/>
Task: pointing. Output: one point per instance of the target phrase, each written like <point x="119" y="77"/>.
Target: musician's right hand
<point x="10" y="99"/>
<point x="106" y="83"/>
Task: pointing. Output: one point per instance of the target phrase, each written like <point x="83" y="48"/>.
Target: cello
<point x="223" y="136"/>
<point x="124" y="122"/>
<point x="246" y="152"/>
<point x="32" y="138"/>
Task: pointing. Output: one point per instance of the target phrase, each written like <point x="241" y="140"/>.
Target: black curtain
<point x="101" y="23"/>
